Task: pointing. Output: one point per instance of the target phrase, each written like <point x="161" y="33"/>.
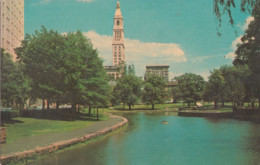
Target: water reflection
<point x="184" y="140"/>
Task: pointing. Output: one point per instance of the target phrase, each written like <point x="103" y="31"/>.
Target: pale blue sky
<point x="179" y="33"/>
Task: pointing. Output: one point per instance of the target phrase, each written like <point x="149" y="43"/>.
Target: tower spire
<point x="118" y="5"/>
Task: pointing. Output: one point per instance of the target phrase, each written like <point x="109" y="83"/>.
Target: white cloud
<point x="205" y="75"/>
<point x="231" y="55"/>
<point x="85" y="1"/>
<point x="235" y="42"/>
<point x="247" y="22"/>
<point x="171" y="75"/>
<point x="137" y="52"/>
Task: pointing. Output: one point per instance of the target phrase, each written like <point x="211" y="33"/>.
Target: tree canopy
<point x="154" y="90"/>
<point x="14" y="85"/>
<point x="63" y="68"/>
<point x="128" y="90"/>
<point x="248" y="52"/>
<point x="190" y="87"/>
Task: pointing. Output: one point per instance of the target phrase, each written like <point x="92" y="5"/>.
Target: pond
<point x="183" y="141"/>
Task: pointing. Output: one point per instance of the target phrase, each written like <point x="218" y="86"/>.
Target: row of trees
<point x="66" y="69"/>
<point x="227" y="84"/>
<point x="57" y="68"/>
<point x="238" y="83"/>
<point x="130" y="89"/>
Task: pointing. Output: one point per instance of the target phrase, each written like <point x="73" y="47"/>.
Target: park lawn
<point x="25" y="127"/>
<point x="145" y="107"/>
<point x="171" y="106"/>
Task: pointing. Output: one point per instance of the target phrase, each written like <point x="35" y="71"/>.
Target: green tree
<point x="131" y="69"/>
<point x="190" y="87"/>
<point x="234" y="82"/>
<point x="215" y="88"/>
<point x="63" y="68"/>
<point x="128" y="90"/>
<point x="14" y="85"/>
<point x="41" y="54"/>
<point x="154" y="90"/>
<point x="248" y="52"/>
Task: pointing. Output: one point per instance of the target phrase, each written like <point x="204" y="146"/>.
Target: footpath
<point x="42" y="144"/>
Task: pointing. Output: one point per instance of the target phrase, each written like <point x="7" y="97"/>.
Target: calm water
<point x="183" y="141"/>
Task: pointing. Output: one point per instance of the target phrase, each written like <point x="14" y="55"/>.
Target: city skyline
<point x="180" y="34"/>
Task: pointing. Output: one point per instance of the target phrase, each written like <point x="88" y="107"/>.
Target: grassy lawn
<point x="28" y="126"/>
<point x="146" y="107"/>
<point x="171" y="106"/>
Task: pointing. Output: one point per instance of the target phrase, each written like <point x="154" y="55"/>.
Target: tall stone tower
<point x="118" y="47"/>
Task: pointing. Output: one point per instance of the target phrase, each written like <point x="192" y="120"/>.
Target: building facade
<point x="118" y="47"/>
<point x="12" y="25"/>
<point x="158" y="69"/>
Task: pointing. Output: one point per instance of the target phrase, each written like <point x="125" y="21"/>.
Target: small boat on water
<point x="164" y="122"/>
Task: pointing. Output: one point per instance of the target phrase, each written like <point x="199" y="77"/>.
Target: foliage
<point x="14" y="85"/>
<point x="225" y="6"/>
<point x="215" y="88"/>
<point x="235" y="78"/>
<point x="131" y="69"/>
<point x="41" y="55"/>
<point x="63" y="68"/>
<point x="190" y="88"/>
<point x="248" y="52"/>
<point x="154" y="90"/>
<point x="128" y="90"/>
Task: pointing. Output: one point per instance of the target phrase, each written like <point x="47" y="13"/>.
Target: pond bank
<point x="12" y="156"/>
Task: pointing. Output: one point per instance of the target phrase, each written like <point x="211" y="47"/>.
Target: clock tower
<point x="118" y="47"/>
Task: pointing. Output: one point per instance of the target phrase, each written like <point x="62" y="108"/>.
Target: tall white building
<point x="118" y="47"/>
<point x="11" y="25"/>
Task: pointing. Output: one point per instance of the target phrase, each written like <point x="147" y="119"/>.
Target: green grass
<point x="26" y="127"/>
<point x="145" y="107"/>
<point x="171" y="106"/>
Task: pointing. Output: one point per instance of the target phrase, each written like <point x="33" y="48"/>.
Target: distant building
<point x="158" y="69"/>
<point x="11" y="25"/>
<point x="112" y="71"/>
<point x="118" y="47"/>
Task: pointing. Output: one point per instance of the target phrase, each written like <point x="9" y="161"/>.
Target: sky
<point x="182" y="34"/>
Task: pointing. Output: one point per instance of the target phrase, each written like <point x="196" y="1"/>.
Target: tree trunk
<point x="97" y="114"/>
<point x="89" y="110"/>
<point x="129" y="107"/>
<point x="252" y="104"/>
<point x="57" y="105"/>
<point x="215" y="104"/>
<point x="152" y="106"/>
<point x="48" y="104"/>
<point x="259" y="103"/>
<point x="223" y="103"/>
<point x="43" y="104"/>
<point x="188" y="104"/>
<point x="73" y="106"/>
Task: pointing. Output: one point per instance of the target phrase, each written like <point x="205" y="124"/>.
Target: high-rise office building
<point x="11" y="25"/>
